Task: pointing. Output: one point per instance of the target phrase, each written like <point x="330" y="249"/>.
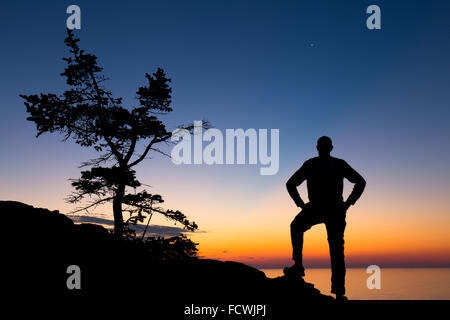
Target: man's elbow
<point x="290" y="185"/>
<point x="362" y="183"/>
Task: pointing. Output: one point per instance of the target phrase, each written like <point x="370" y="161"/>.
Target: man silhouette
<point x="324" y="176"/>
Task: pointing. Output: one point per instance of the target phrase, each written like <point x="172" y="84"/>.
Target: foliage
<point x="88" y="113"/>
<point x="171" y="248"/>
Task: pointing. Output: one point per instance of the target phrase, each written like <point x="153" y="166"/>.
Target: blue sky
<point x="308" y="68"/>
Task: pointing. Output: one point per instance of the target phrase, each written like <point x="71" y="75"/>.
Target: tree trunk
<point x="117" y="209"/>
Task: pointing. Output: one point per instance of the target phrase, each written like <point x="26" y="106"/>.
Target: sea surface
<point x="395" y="283"/>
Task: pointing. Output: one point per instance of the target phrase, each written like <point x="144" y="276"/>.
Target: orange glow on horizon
<point x="400" y="230"/>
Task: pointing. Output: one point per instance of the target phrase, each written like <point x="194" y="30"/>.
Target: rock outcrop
<point x="40" y="245"/>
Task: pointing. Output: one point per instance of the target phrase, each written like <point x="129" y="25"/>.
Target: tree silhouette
<point x="90" y="114"/>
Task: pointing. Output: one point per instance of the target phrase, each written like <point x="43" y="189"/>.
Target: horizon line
<point x="365" y="267"/>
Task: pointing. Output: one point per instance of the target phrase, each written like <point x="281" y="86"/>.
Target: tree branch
<point x="94" y="204"/>
<point x="147" y="149"/>
<point x="130" y="150"/>
<point x="114" y="150"/>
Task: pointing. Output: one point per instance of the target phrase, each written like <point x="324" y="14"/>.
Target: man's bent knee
<point x="298" y="226"/>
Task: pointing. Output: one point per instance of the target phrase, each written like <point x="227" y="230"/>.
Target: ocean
<point x="395" y="283"/>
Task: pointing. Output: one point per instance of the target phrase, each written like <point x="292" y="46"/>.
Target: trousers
<point x="334" y="219"/>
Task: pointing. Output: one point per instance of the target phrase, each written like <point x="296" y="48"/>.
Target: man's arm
<point x="291" y="185"/>
<point x="351" y="175"/>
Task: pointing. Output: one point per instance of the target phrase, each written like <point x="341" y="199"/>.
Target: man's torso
<point x="325" y="181"/>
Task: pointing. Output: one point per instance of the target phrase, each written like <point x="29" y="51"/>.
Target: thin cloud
<point x="152" y="230"/>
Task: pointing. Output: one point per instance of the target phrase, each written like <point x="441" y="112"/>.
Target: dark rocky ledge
<point x="40" y="244"/>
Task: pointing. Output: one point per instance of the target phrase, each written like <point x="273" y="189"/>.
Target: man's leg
<point x="302" y="222"/>
<point x="335" y="230"/>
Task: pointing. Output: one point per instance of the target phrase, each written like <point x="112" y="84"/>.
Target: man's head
<point x="324" y="146"/>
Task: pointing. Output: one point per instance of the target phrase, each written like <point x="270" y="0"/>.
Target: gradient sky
<point x="308" y="68"/>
